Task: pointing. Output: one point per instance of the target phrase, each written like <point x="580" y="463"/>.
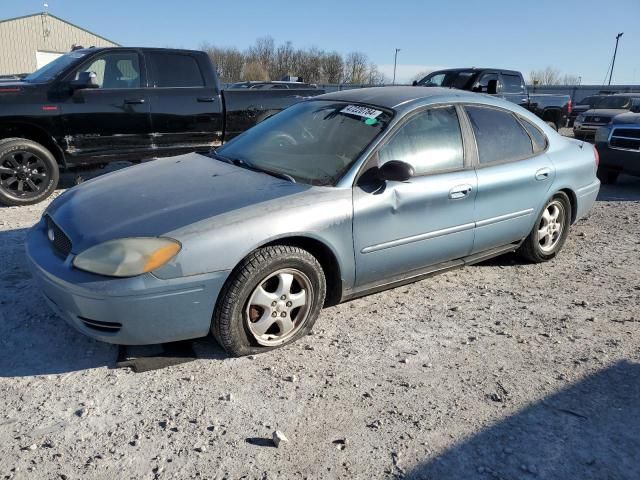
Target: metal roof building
<point x="30" y="42"/>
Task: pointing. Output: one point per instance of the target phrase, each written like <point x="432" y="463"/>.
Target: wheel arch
<point x="34" y="133"/>
<point x="324" y="254"/>
<point x="573" y="201"/>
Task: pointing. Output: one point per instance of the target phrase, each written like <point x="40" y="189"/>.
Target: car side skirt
<point x="421" y="274"/>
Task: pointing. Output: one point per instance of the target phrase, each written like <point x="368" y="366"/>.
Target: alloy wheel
<point x="551" y="226"/>
<point x="23" y="174"/>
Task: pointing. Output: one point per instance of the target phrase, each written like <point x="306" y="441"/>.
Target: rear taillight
<point x="596" y="155"/>
<point x="569" y="107"/>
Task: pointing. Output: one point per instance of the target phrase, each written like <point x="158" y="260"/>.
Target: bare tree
<point x="228" y="62"/>
<point x="376" y="77"/>
<point x="283" y="61"/>
<point x="570" y="79"/>
<point x="262" y="52"/>
<point x="310" y="66"/>
<point x="254" y="71"/>
<point x="548" y="76"/>
<point x="332" y="67"/>
<point x="356" y="68"/>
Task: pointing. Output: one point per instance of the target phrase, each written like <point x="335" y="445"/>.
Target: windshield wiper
<point x="249" y="166"/>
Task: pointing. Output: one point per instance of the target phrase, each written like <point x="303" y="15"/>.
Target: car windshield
<point x="313" y="142"/>
<point x="590" y="101"/>
<point x="448" y="78"/>
<point x="614" y="102"/>
<point x="52" y="69"/>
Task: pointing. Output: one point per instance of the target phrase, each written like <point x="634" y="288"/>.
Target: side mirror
<point x="85" y="80"/>
<point x="415" y="83"/>
<point x="396" y="171"/>
<point x="492" y="87"/>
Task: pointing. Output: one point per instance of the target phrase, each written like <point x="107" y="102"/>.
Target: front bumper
<point x="586" y="129"/>
<point x="627" y="161"/>
<point x="128" y="311"/>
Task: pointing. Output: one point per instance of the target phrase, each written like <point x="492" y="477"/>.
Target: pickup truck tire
<point x="608" y="176"/>
<point x="549" y="232"/>
<point x="29" y="172"/>
<point x="272" y="298"/>
<point x="552" y="125"/>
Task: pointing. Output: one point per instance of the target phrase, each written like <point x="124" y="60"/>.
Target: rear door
<point x="402" y="227"/>
<point x="513" y="89"/>
<point x="113" y="119"/>
<point x="186" y="110"/>
<point x="514" y="175"/>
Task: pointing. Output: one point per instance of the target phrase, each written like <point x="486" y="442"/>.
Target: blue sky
<point x="573" y="36"/>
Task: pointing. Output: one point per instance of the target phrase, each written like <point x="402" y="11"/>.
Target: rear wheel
<point x="552" y="125"/>
<point x="28" y="172"/>
<point x="608" y="176"/>
<point x="549" y="232"/>
<point x="271" y="299"/>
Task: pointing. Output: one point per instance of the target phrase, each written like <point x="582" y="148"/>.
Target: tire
<point x="552" y="125"/>
<point x="608" y="176"/>
<point x="29" y="172"/>
<point x="243" y="327"/>
<point x="539" y="249"/>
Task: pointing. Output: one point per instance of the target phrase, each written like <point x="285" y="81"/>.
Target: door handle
<point x="460" y="191"/>
<point x="206" y="99"/>
<point x="133" y="101"/>
<point x="543" y="173"/>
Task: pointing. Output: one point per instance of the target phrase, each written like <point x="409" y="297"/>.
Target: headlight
<point x="580" y="118"/>
<point x="602" y="134"/>
<point x="127" y="257"/>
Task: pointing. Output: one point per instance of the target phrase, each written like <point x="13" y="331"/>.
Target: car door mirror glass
<point x="492" y="87"/>
<point x="396" y="171"/>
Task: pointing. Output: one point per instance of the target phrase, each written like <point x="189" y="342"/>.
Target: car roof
<point x="396" y="97"/>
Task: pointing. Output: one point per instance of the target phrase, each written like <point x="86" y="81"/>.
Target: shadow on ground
<point x="627" y="189"/>
<point x="588" y="431"/>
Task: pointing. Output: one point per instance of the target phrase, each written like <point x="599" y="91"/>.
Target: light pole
<point x="395" y="63"/>
<point x="613" y="62"/>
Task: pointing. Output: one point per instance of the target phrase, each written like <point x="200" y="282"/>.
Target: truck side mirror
<point x="85" y="80"/>
<point x="492" y="87"/>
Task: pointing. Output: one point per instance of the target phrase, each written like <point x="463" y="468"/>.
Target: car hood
<point x="627" y="118"/>
<point x="605" y="112"/>
<point x="160" y="196"/>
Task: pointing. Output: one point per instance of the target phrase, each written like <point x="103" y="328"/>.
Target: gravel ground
<point x="503" y="370"/>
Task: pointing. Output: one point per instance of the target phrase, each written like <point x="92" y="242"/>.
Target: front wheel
<point x="549" y="232"/>
<point x="28" y="172"/>
<point x="271" y="299"/>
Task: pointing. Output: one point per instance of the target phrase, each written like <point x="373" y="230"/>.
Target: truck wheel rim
<point x="279" y="306"/>
<point x="23" y="174"/>
<point x="551" y="226"/>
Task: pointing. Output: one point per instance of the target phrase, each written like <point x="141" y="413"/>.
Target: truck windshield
<point x="314" y="142"/>
<point x="460" y="79"/>
<point x="52" y="69"/>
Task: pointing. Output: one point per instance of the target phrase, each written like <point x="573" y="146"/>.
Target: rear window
<point x="175" y="70"/>
<point x="499" y="136"/>
<point x="512" y="83"/>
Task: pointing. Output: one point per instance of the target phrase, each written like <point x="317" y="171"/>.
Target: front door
<point x="514" y="176"/>
<point x="112" y="120"/>
<point x="400" y="228"/>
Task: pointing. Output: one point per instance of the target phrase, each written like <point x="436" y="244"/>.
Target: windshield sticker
<point x="370" y="121"/>
<point x="364" y="112"/>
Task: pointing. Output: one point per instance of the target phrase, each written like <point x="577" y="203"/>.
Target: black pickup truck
<point x="508" y="84"/>
<point x="96" y="105"/>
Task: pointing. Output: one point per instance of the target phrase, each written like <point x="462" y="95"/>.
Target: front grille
<point x="597" y="119"/>
<point x="105" y="327"/>
<point x="633" y="133"/>
<point x="61" y="243"/>
<point x="625" y="138"/>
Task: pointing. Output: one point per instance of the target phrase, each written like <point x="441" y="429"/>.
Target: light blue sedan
<point x="336" y="197"/>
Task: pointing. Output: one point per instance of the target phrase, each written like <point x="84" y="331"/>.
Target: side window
<point x="436" y="80"/>
<point x="483" y="82"/>
<point x="115" y="70"/>
<point x="539" y="139"/>
<point x="175" y="70"/>
<point x="499" y="136"/>
<point x="512" y="83"/>
<point x="431" y="142"/>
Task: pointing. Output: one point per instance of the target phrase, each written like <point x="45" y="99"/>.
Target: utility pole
<point x="395" y="63"/>
<point x="614" y="56"/>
